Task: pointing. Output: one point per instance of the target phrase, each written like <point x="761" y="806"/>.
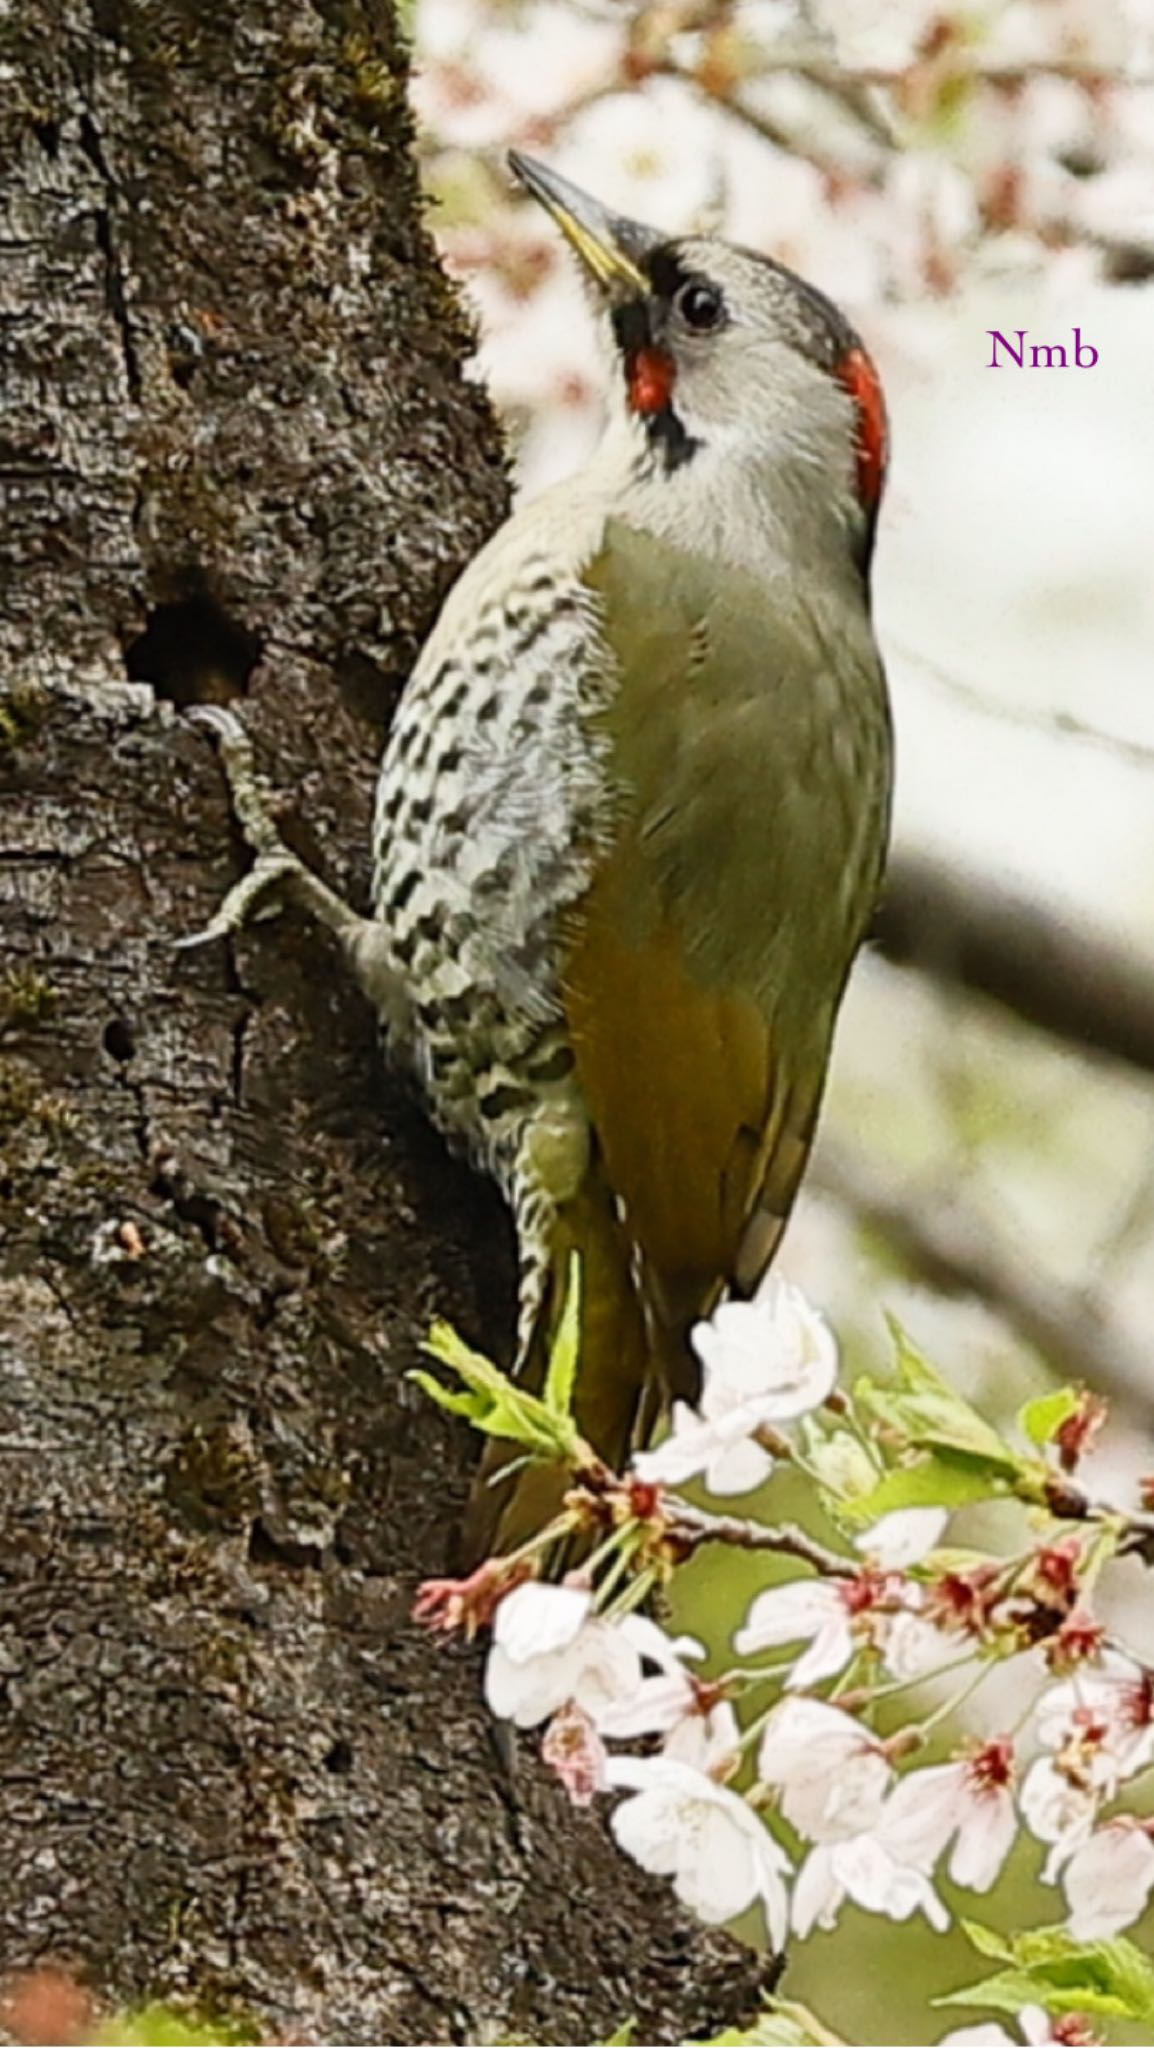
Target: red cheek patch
<point x="861" y="380"/>
<point x="651" y="379"/>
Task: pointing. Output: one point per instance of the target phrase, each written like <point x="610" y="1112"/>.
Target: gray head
<point x="727" y="354"/>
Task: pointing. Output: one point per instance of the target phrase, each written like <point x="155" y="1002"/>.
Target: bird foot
<point x="276" y="867"/>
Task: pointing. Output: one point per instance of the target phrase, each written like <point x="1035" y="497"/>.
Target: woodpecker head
<point x="727" y="355"/>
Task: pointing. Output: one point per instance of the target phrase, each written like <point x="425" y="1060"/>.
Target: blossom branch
<point x="693" y="1527"/>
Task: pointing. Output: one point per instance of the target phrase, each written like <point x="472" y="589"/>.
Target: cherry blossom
<point x="904" y="1537"/>
<point x="831" y="1774"/>
<point x="1103" y="1715"/>
<point x="832" y="1614"/>
<point x="970" y="1802"/>
<point x="764" y="1362"/>
<point x="861" y="1869"/>
<point x="549" y="1648"/>
<point x="775" y="1348"/>
<point x="910" y="1643"/>
<point x="1038" y="2031"/>
<point x="696" y="1721"/>
<point x="708" y="1737"/>
<point x="815" y="1610"/>
<point x="1056" y="1810"/>
<point x="681" y="1824"/>
<point x="661" y="1699"/>
<point x="1108" y="1879"/>
<point x="574" y="1750"/>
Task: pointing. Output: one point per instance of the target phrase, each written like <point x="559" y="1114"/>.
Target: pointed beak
<point x="609" y="246"/>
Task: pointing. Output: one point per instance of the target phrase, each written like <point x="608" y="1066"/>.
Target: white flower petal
<point x="847" y="1801"/>
<point x="718" y="1882"/>
<point x="738" y="1468"/>
<point x="911" y="1645"/>
<point x="687" y="1450"/>
<point x="657" y="1705"/>
<point x="774" y="1351"/>
<point x="832" y="1775"/>
<point x="921" y="1814"/>
<point x="987" y="2035"/>
<point x="1108" y="1881"/>
<point x="904" y="1537"/>
<point x="607" y="1668"/>
<point x="788" y="1614"/>
<point x="533" y="1619"/>
<point x="1056" y="1811"/>
<point x="705" y="1740"/>
<point x="644" y="1830"/>
<point x="817" y="1895"/>
<point x="875" y="1881"/>
<point x="682" y="1824"/>
<point x="829" y="1652"/>
<point x="984" y="1840"/>
<point x="528" y="1693"/>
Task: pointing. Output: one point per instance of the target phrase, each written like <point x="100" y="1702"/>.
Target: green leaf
<point x="938" y="1420"/>
<point x="561" y="1377"/>
<point x="1042" y="1419"/>
<point x="845" y="1469"/>
<point x="1047" y="1967"/>
<point x="945" y="1479"/>
<point x="914" y="1371"/>
<point x="988" y="1941"/>
<point x="623" y="2036"/>
<point x="495" y="1404"/>
<point x="1009" y="1990"/>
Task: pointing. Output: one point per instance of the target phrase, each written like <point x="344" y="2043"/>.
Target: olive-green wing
<point x="706" y="964"/>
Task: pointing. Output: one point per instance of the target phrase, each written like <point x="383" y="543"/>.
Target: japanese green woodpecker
<point x="632" y="816"/>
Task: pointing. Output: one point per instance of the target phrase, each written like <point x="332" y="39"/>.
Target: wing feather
<point x="710" y="952"/>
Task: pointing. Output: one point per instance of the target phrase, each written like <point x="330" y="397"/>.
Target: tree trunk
<point x="238" y="460"/>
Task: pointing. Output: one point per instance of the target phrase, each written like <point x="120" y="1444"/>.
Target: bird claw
<point x="250" y="801"/>
<point x="240" y="906"/>
<point x="274" y="862"/>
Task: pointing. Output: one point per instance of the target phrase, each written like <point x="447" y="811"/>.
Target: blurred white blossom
<point x="1037" y="2030"/>
<point x="817" y="1611"/>
<point x="970" y="1802"/>
<point x="863" y="1870"/>
<point x="1108" y="1880"/>
<point x="1104" y="1717"/>
<point x="548" y="1649"/>
<point x="1057" y="1811"/>
<point x="904" y="1537"/>
<point x="681" y="1824"/>
<point x="764" y="1362"/>
<point x="831" y="1775"/>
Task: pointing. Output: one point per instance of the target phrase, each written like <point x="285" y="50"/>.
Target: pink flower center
<point x="991" y="1768"/>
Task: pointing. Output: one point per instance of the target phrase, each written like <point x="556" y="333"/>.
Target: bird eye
<point x="700" y="305"/>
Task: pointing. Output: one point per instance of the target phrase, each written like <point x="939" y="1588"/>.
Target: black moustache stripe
<point x="669" y="439"/>
<point x="666" y="431"/>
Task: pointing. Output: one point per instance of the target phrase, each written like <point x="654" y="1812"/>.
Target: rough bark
<point x="237" y="459"/>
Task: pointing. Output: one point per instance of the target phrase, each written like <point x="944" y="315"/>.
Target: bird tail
<point x="620" y="1382"/>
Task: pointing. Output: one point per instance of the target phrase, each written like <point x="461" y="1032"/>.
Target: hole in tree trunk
<point x="119" y="1039"/>
<point x="193" y="653"/>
